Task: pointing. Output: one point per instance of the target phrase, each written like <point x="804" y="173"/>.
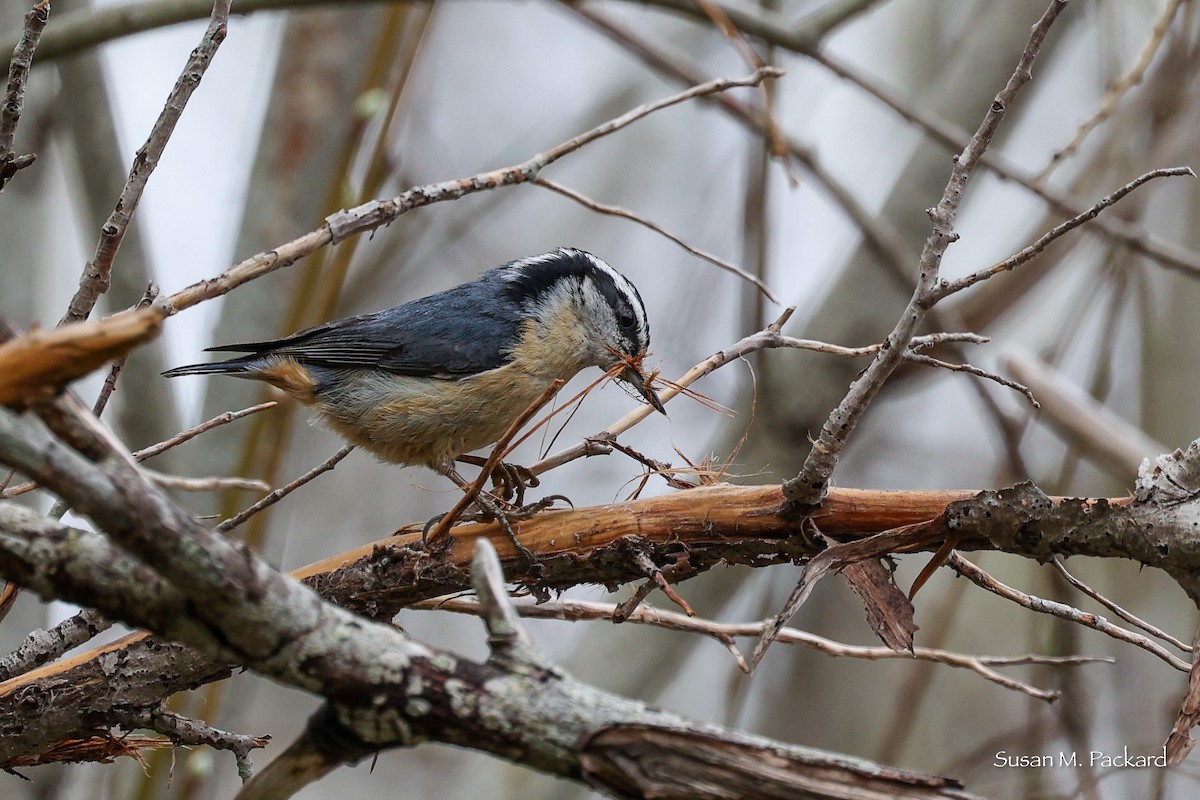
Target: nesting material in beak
<point x="634" y="377"/>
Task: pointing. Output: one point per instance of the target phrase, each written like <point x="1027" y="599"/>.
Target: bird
<point x="429" y="381"/>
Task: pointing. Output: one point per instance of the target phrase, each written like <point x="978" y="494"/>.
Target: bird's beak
<point x="634" y="377"/>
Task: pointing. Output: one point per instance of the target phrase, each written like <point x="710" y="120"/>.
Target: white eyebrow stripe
<point x="626" y="287"/>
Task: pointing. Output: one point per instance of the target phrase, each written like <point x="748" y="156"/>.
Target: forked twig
<point x="1061" y="610"/>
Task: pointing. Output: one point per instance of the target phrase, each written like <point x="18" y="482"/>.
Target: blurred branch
<point x="950" y="136"/>
<point x="14" y="95"/>
<point x="82" y="29"/>
<point x="97" y="272"/>
<point x="625" y="213"/>
<point x="210" y="484"/>
<point x="882" y="238"/>
<point x="1116" y="91"/>
<point x="371" y="215"/>
<point x="1080" y="419"/>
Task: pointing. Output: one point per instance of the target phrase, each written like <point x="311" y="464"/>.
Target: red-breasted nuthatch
<point x="434" y="379"/>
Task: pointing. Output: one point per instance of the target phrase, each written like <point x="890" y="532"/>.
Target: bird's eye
<point x="628" y="320"/>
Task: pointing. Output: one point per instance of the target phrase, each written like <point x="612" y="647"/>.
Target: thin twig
<point x="725" y="633"/>
<point x="977" y="372"/>
<point x="114" y="372"/>
<point x="162" y="447"/>
<point x="371" y="215"/>
<point x="97" y="272"/>
<point x="625" y="213"/>
<point x="179" y="438"/>
<point x="1031" y="252"/>
<point x="1129" y="617"/>
<point x="1061" y="610"/>
<point x="283" y="491"/>
<point x="14" y="95"/>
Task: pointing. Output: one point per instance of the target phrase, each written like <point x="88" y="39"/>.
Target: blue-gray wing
<point x="459" y="332"/>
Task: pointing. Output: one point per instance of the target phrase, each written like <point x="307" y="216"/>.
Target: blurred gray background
<point x="309" y="111"/>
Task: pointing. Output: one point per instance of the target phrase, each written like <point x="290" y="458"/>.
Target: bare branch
<point x="283" y="491"/>
<point x="373" y="214"/>
<point x="42" y="646"/>
<point x="1063" y="611"/>
<point x="1111" y="442"/>
<point x="725" y="633"/>
<point x="947" y="288"/>
<point x="14" y="95"/>
<point x="181" y="730"/>
<point x="97" y="272"/>
<point x="809" y="485"/>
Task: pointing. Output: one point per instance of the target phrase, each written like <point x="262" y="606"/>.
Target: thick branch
<point x="383" y="689"/>
<point x="693" y="530"/>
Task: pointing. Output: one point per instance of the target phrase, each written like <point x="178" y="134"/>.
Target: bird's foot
<point x="509" y="481"/>
<point x="532" y="509"/>
<point x="491" y="510"/>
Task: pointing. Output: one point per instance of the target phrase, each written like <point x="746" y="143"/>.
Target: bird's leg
<point x="489" y="508"/>
<point x="509" y="481"/>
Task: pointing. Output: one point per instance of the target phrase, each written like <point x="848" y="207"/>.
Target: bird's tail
<point x="234" y="366"/>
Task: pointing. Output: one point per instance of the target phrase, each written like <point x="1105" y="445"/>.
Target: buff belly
<point x="424" y="421"/>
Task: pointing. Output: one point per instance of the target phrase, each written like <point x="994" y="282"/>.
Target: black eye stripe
<point x="527" y="279"/>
